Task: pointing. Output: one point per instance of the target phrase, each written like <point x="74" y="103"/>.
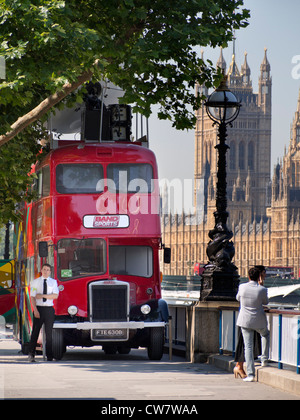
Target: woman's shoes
<point x="238" y="372"/>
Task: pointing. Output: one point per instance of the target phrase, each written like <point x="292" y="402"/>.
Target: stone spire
<point x="265" y="65"/>
<point x="246" y="72"/>
<point x="265" y="85"/>
<point x="221" y="62"/>
<point x="234" y="77"/>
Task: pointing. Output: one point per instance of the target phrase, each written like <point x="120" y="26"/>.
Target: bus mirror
<point x="43" y="249"/>
<point x="167" y="255"/>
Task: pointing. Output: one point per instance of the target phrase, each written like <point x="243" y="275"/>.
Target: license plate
<point x="110" y="334"/>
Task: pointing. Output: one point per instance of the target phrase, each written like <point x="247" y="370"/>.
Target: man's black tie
<point x="45" y="289"/>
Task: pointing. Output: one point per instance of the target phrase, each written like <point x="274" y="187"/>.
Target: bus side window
<point x="46" y="181"/>
<point x="42" y="183"/>
<point x="39" y="184"/>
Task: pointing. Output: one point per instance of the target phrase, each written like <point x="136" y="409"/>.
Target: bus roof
<point x="102" y="152"/>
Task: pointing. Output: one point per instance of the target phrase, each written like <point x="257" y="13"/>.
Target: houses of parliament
<point x="264" y="208"/>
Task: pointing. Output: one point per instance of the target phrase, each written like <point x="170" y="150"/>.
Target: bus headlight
<point x="72" y="310"/>
<point x="145" y="309"/>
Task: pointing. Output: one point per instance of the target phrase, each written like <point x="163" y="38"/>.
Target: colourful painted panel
<point x="7" y="291"/>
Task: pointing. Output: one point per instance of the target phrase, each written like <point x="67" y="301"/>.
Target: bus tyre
<point x="58" y="346"/>
<point x="25" y="348"/>
<point x="123" y="349"/>
<point x="156" y="343"/>
<point x="110" y="349"/>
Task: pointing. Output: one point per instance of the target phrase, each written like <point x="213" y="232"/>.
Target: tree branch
<point x="44" y="107"/>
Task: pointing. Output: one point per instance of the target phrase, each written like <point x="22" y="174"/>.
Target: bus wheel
<point x="58" y="346"/>
<point x="109" y="349"/>
<point x="156" y="344"/>
<point x="25" y="348"/>
<point x="123" y="349"/>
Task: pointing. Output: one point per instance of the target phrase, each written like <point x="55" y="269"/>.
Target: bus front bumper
<point x="131" y="325"/>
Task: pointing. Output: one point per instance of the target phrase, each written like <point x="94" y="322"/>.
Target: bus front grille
<point x="109" y="302"/>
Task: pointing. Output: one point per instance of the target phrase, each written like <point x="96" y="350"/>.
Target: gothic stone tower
<point x="272" y="240"/>
<point x="249" y="156"/>
<point x="285" y="206"/>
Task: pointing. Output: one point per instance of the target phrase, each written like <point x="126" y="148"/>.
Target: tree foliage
<point x="147" y="47"/>
<point x="16" y="159"/>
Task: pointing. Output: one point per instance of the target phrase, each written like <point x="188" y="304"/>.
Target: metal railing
<point x="284" y="329"/>
<point x="181" y="283"/>
<point x="183" y="291"/>
<point x="191" y="286"/>
<point x="178" y="325"/>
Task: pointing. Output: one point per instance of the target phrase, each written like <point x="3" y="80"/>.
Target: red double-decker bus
<point x="97" y="222"/>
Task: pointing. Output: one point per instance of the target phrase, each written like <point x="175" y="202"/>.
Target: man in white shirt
<point x="43" y="291"/>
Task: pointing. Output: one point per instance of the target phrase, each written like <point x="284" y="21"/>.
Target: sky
<point x="274" y="25"/>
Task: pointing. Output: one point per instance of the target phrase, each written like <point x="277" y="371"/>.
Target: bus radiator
<point x="109" y="302"/>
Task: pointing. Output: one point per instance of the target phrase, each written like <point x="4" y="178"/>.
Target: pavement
<point x="85" y="374"/>
<point x="285" y="379"/>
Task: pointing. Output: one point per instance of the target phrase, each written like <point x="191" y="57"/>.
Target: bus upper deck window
<point x="130" y="178"/>
<point x="83" y="178"/>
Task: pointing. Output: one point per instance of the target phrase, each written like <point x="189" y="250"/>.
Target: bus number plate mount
<point x="110" y="334"/>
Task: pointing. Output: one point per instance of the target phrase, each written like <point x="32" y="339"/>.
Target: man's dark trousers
<point x="47" y="315"/>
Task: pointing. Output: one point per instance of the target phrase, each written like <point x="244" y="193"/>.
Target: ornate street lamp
<point x="220" y="278"/>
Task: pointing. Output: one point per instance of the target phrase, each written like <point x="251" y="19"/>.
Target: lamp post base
<point x="219" y="285"/>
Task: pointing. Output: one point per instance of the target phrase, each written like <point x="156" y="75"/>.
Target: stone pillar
<point x="202" y="330"/>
